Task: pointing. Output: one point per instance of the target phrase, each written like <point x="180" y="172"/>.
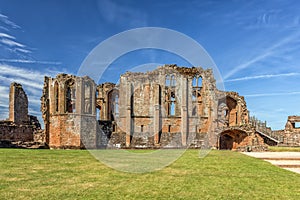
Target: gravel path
<point x="286" y="160"/>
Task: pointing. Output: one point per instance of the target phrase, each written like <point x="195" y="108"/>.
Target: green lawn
<point x="75" y="174"/>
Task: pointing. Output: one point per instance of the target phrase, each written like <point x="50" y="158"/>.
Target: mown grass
<point x="75" y="174"/>
<point x="283" y="149"/>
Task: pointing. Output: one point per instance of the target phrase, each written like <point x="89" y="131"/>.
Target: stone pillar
<point x="156" y="127"/>
<point x="18" y="104"/>
<point x="79" y="106"/>
<point x="93" y="101"/>
<point x="184" y="111"/>
<point x="128" y="114"/>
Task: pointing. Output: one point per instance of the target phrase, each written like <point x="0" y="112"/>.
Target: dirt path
<point x="286" y="160"/>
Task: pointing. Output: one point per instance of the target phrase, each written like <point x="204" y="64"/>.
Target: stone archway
<point x="232" y="139"/>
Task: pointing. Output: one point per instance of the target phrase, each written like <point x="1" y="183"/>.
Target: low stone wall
<point x="13" y="132"/>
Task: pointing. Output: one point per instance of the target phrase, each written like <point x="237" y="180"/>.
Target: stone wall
<point x="69" y="111"/>
<point x="169" y="107"/>
<point x="290" y="136"/>
<point x="18" y="104"/>
<point x="20" y="128"/>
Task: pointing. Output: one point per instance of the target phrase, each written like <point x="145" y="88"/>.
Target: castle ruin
<point x="169" y="107"/>
<point x="20" y="129"/>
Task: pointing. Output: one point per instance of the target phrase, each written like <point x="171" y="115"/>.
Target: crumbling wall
<point x="18" y="104"/>
<point x="291" y="136"/>
<point x="20" y="127"/>
<point x="69" y="111"/>
<point x="160" y="108"/>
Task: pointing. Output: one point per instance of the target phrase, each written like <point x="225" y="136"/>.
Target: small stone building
<point x="169" y="107"/>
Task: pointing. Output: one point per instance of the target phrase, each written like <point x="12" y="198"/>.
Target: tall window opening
<point x="197" y="85"/>
<point x="70" y="96"/>
<point x="113" y="102"/>
<point x="173" y="81"/>
<point x="167" y="80"/>
<point x="171" y="104"/>
<point x="87" y="98"/>
<point x="56" y="94"/>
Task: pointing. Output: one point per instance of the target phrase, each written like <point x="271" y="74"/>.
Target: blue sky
<point x="255" y="44"/>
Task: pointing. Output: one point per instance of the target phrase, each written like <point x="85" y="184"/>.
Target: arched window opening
<point x="197" y="82"/>
<point x="194" y="96"/>
<point x="194" y="83"/>
<point x="70" y="96"/>
<point x="167" y="80"/>
<point x="56" y="94"/>
<point x="171" y="104"/>
<point x="173" y="81"/>
<point x="113" y="103"/>
<point x="87" y="98"/>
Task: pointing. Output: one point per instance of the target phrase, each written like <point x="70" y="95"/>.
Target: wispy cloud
<point x="12" y="43"/>
<point x="272" y="94"/>
<point x="30" y="61"/>
<point x="246" y="78"/>
<point x="4" y="35"/>
<point x="5" y="20"/>
<point x="273" y="49"/>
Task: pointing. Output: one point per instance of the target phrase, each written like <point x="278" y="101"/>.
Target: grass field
<point x="282" y="149"/>
<point x="75" y="174"/>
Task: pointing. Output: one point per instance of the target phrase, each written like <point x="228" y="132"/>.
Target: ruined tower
<point x="68" y="109"/>
<point x="18" y="104"/>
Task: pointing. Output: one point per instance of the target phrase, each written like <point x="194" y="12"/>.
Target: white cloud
<point x="12" y="43"/>
<point x="262" y="77"/>
<point x="7" y="36"/>
<point x="272" y="94"/>
<point x="30" y="61"/>
<point x="276" y="48"/>
<point x="23" y="50"/>
<point x="4" y="19"/>
<point x="14" y="72"/>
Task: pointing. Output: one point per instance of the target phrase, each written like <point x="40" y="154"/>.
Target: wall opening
<point x="173" y="81"/>
<point x="70" y="96"/>
<point x="56" y="94"/>
<point x="296" y="125"/>
<point x="167" y="80"/>
<point x="88" y="97"/>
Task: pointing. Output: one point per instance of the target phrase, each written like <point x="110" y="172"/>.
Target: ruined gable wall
<point x="18" y="104"/>
<point x="145" y="96"/>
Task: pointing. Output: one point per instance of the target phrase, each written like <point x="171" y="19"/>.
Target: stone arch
<point x="232" y="111"/>
<point x="232" y="139"/>
<point x="70" y="96"/>
<point x="113" y="104"/>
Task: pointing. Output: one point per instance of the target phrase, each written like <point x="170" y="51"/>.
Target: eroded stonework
<point x="169" y="107"/>
<point x="20" y="129"/>
<point x="68" y="109"/>
<point x="290" y="136"/>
